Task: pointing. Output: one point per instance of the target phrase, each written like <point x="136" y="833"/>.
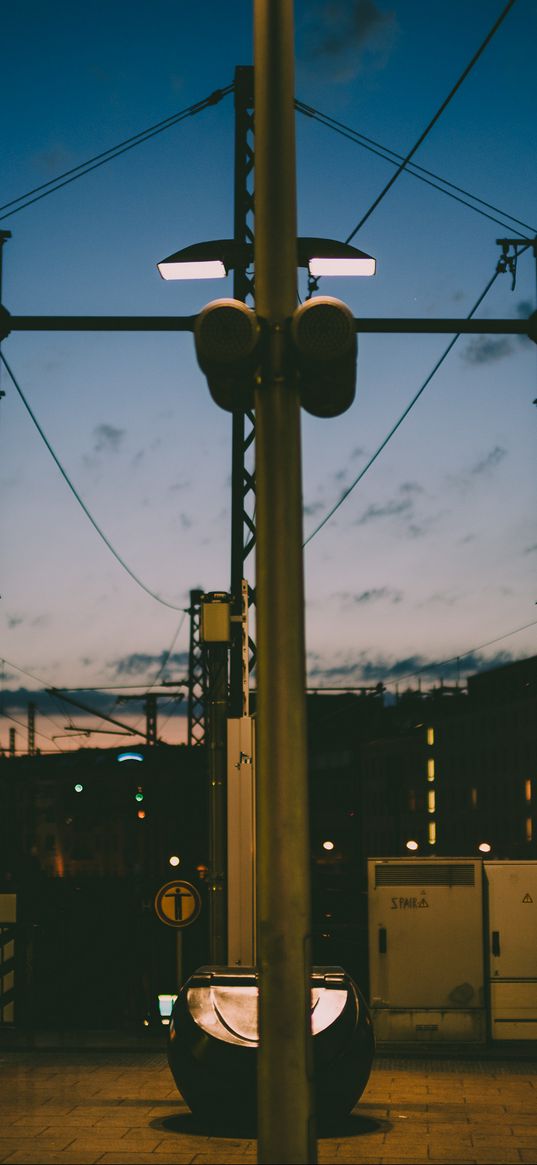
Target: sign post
<point x="178" y="904"/>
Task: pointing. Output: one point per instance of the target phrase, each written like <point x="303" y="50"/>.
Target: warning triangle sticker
<point x="527" y="898"/>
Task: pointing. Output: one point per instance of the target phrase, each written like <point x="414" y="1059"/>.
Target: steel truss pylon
<point x="243" y="440"/>
<point x="196" y="675"/>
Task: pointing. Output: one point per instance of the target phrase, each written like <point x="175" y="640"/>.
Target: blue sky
<point x="433" y="554"/>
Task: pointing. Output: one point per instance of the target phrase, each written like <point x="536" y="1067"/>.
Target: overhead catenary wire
<point x="462" y="654"/>
<point x="367" y="143"/>
<point x="433" y="120"/>
<point x="167" y="654"/>
<point x="38" y="680"/>
<point x="343" y="709"/>
<point x="25" y="672"/>
<point x="68" y="176"/>
<point x="165" y="658"/>
<point x="158" y="598"/>
<point x="400" y="420"/>
<point x="55" y="696"/>
<point x="415" y="171"/>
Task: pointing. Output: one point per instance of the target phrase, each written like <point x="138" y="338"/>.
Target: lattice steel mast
<point x="242" y="467"/>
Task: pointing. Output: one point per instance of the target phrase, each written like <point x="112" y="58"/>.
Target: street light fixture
<point x="215" y="259"/>
<point x="228" y="333"/>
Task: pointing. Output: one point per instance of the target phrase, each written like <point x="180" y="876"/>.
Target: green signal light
<point x="139" y="795"/>
<point x="78" y="788"/>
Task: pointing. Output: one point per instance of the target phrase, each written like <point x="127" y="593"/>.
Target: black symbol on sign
<point x="178" y="895"/>
<point x="423" y="902"/>
<point x="527" y="898"/>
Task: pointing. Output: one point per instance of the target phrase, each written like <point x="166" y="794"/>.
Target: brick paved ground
<point x="122" y="1107"/>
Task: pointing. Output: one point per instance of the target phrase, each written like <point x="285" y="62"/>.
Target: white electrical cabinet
<point x="241" y="841"/>
<point x="426" y="956"/>
<point x="512" y="937"/>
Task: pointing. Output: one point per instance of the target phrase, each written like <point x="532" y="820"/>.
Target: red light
<point x="141" y="814"/>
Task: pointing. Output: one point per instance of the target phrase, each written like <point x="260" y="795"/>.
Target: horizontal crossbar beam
<point x="9" y="323"/>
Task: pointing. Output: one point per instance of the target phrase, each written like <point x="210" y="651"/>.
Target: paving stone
<point x="112" y="1110"/>
<point x="181" y="1157"/>
<point x="44" y="1157"/>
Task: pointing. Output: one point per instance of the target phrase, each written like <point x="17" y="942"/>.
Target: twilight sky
<point x="433" y="554"/>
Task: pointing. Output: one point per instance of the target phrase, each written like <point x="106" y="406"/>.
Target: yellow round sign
<point x="177" y="904"/>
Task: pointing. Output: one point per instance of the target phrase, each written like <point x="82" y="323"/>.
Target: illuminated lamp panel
<point x="430" y="769"/>
<point x="432" y="833"/>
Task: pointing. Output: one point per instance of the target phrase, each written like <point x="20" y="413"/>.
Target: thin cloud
<point x="140" y="663"/>
<point x="370" y="670"/>
<point x="445" y="598"/>
<point x="486" y="349"/>
<point x="524" y="309"/>
<point x="393" y="509"/>
<point x="107" y="438"/>
<point x="313" y="508"/>
<point x="347" y="38"/>
<point x="402" y="506"/>
<point x="374" y="595"/>
<point x="489" y="462"/>
<point x="468" y="478"/>
<point x="53" y="160"/>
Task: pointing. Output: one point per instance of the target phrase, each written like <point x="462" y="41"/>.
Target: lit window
<point x="432" y="832"/>
<point x="430" y="736"/>
<point x="529" y="829"/>
<point x="431" y="801"/>
<point x="430" y="769"/>
<point x="473" y="797"/>
<point x="527" y="789"/>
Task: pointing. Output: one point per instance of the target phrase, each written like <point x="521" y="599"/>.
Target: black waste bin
<point x="213" y="1039"/>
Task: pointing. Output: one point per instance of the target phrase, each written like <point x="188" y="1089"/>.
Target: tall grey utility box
<point x="426" y="950"/>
